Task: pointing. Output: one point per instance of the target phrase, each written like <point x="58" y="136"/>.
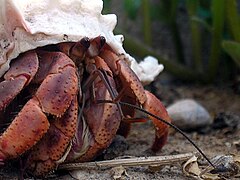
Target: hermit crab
<point x="63" y="75"/>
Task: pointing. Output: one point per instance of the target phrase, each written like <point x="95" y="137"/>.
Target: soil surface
<point x="211" y="140"/>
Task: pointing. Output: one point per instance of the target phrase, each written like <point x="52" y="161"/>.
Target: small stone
<point x="188" y="115"/>
<point x="227" y="120"/>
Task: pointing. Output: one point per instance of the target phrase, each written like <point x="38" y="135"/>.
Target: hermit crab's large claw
<point x="154" y="106"/>
<point x="54" y="96"/>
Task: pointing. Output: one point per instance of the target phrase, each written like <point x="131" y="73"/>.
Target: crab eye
<point x="102" y="41"/>
<point x="85" y="42"/>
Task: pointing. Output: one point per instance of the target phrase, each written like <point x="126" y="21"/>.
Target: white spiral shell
<point x="28" y="24"/>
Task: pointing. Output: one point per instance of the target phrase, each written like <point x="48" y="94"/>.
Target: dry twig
<point x="130" y="162"/>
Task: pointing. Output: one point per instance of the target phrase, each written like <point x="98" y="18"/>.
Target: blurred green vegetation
<point x="215" y="21"/>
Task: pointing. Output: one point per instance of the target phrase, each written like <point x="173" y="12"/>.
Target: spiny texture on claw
<point x="47" y="154"/>
<point x="26" y="129"/>
<point x="56" y="93"/>
<point x="58" y="88"/>
<point x="54" y="96"/>
<point x="103" y="119"/>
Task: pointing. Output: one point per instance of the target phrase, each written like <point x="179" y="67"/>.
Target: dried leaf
<point x="209" y="176"/>
<point x="225" y="167"/>
<point x="190" y="168"/>
<point x="236" y="159"/>
<point x="118" y="172"/>
<point x="237" y="144"/>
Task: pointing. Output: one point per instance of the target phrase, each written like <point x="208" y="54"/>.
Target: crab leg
<point x="148" y="100"/>
<point x="26" y="129"/>
<point x="54" y="96"/>
<point x="154" y="106"/>
<point x="106" y="128"/>
<point x="127" y="77"/>
<point x="60" y="83"/>
<point x="130" y="87"/>
<point x="102" y="119"/>
<point x="21" y="72"/>
<point x="50" y="150"/>
<point x="57" y="96"/>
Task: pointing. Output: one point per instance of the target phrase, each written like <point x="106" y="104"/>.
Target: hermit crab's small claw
<point x="154" y="106"/>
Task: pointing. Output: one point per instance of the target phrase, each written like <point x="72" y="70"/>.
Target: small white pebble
<point x="188" y="114"/>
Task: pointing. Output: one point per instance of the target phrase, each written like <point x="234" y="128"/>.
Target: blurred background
<point x="197" y="41"/>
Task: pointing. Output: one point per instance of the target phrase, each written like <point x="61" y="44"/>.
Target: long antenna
<point x="164" y="121"/>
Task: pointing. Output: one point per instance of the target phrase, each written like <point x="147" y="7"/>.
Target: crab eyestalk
<point x="75" y="50"/>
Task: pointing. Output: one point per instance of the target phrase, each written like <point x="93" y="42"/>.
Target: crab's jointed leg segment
<point x="47" y="153"/>
<point x="26" y="129"/>
<point x="60" y="85"/>
<point x="21" y="72"/>
<point x="133" y="88"/>
<point x="53" y="96"/>
<point x="127" y="77"/>
<point x="154" y="106"/>
<point x="102" y="119"/>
